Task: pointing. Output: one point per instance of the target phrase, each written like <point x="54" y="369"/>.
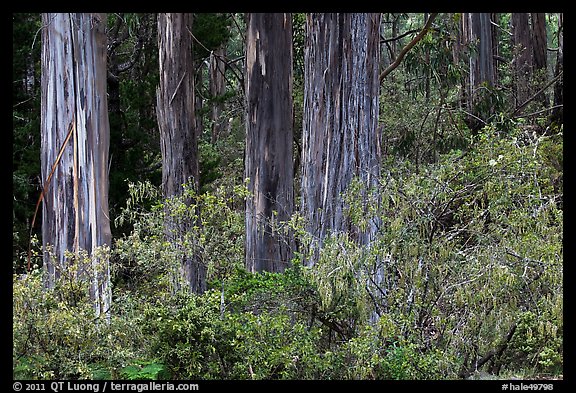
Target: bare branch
<point x="385" y="40"/>
<point x="411" y="44"/>
<point x="521" y="106"/>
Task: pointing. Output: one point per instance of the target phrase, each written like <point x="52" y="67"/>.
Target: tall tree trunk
<point x="269" y="135"/>
<point x="482" y="64"/>
<point x="178" y="138"/>
<point x="340" y="137"/>
<point x="522" y="51"/>
<point x="75" y="210"/>
<point x="522" y="56"/>
<point x="477" y="31"/>
<point x="217" y="69"/>
<point x="540" y="54"/>
<point x="557" y="113"/>
<point x="539" y="40"/>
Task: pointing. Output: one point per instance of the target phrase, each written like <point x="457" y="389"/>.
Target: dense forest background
<point x="444" y="263"/>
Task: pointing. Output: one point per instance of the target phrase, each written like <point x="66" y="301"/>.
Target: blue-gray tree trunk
<point x="75" y="210"/>
<point x="340" y="139"/>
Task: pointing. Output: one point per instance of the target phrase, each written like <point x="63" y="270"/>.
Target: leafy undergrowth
<point x="463" y="281"/>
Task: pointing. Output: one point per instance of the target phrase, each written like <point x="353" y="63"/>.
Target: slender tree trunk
<point x="394" y="44"/>
<point x="340" y="134"/>
<point x="557" y="113"/>
<point x="540" y="54"/>
<point x="539" y="40"/>
<point x="477" y="32"/>
<point x="482" y="64"/>
<point x="522" y="56"/>
<point x="269" y="135"/>
<point x="428" y="74"/>
<point x="198" y="103"/>
<point x="178" y="138"/>
<point x="75" y="210"/>
<point x="458" y="55"/>
<point x="495" y="32"/>
<point x="217" y="71"/>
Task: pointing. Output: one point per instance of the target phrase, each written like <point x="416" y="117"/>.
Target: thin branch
<point x="71" y="129"/>
<point x="176" y="89"/>
<point x="498" y="351"/>
<point x="501" y="28"/>
<point x="540" y="111"/>
<point x="198" y="41"/>
<point x="474" y="116"/>
<point x="386" y="40"/>
<point x="414" y="41"/>
<point x="240" y="30"/>
<point x="521" y="106"/>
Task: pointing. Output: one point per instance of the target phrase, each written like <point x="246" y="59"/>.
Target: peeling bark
<point x="340" y="134"/>
<point x="216" y="70"/>
<point x="522" y="56"/>
<point x="477" y="31"/>
<point x="178" y="137"/>
<point x="557" y="114"/>
<point x="269" y="135"/>
<point x="482" y="68"/>
<point x="75" y="210"/>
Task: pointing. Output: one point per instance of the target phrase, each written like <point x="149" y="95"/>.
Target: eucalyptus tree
<point x="522" y="52"/>
<point x="557" y="112"/>
<point x="341" y="140"/>
<point x="75" y="138"/>
<point x="178" y="141"/>
<point x="269" y="136"/>
<point x="478" y="35"/>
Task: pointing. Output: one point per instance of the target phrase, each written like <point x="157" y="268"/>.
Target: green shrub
<point x="464" y="276"/>
<point x="57" y="335"/>
<point x="144" y="370"/>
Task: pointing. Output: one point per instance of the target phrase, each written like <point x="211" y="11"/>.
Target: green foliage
<point x="473" y="242"/>
<point x="57" y="335"/>
<point x="464" y="275"/>
<point x="209" y="159"/>
<point x="132" y="82"/>
<point x="244" y="332"/>
<point x="147" y="260"/>
<point x="375" y="354"/>
<point x="537" y="344"/>
<point x="466" y="266"/>
<point x="211" y="30"/>
<point x="25" y="130"/>
<point x="417" y="128"/>
<point x="144" y="370"/>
